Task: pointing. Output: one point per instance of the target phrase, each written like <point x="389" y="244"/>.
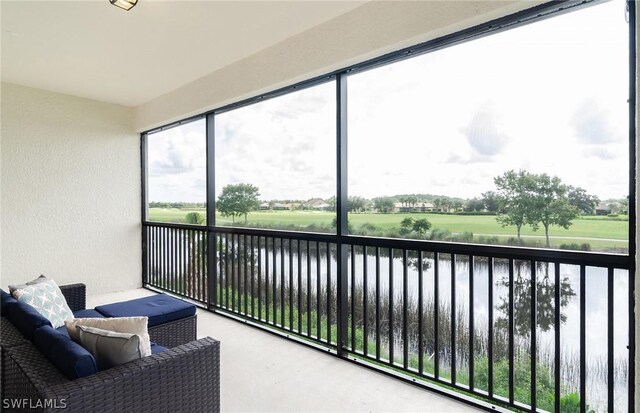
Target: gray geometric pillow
<point x="46" y="297"/>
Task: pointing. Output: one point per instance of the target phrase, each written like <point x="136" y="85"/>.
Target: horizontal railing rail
<point x="551" y="255"/>
<point x="505" y="325"/>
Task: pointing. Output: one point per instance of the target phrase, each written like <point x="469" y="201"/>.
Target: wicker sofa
<point x="185" y="377"/>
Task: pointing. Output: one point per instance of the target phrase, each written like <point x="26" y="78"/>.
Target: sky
<point x="549" y="97"/>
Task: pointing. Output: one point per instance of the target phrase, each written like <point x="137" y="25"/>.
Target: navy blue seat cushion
<point x="73" y="360"/>
<point x="88" y="313"/>
<point x="26" y="319"/>
<point x="159" y="308"/>
<point x="157" y="348"/>
<point x="6" y="300"/>
<point x="63" y="330"/>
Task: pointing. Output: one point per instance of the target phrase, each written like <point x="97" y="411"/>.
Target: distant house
<point x="318" y="204"/>
<point x="603" y="209"/>
<point x="282" y="207"/>
<point x="415" y="207"/>
<point x="264" y="206"/>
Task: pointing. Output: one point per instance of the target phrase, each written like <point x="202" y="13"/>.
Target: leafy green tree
<point x="491" y="201"/>
<point x="356" y="204"/>
<point x="514" y="198"/>
<point x="194" y="218"/>
<point x="550" y="205"/>
<point x="474" y="204"/>
<point x="236" y="200"/>
<point x="583" y="202"/>
<point x="421" y="225"/>
<point x="406" y="225"/>
<point x="383" y="204"/>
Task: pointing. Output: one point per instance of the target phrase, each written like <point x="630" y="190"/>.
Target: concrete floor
<point x="261" y="372"/>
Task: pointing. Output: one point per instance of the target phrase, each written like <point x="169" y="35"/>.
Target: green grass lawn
<point x="600" y="232"/>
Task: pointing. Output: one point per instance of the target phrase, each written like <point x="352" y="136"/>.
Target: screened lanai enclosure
<point x="353" y="212"/>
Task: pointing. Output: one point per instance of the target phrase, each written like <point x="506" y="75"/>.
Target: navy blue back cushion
<point x="6" y="300"/>
<point x="73" y="360"/>
<point x="26" y="319"/>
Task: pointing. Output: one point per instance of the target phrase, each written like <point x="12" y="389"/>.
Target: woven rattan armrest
<point x="76" y="296"/>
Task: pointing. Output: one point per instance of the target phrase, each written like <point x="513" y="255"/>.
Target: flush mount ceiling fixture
<point x="124" y="4"/>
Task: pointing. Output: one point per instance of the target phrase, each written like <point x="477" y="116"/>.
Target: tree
<point x="421" y="225"/>
<point x="356" y="204"/>
<point x="383" y="204"/>
<point x="583" y="202"/>
<point x="236" y="200"/>
<point x="474" y="205"/>
<point x="194" y="218"/>
<point x="491" y="201"/>
<point x="406" y="225"/>
<point x="550" y="205"/>
<point x="514" y="198"/>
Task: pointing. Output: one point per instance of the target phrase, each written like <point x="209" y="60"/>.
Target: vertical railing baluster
<point x="391" y="335"/>
<point x="193" y="254"/>
<point x="190" y="275"/>
<point x="187" y="287"/>
<point x="291" y="306"/>
<point x="233" y="261"/>
<point x="534" y="330"/>
<point x="353" y="298"/>
<point x="490" y="317"/>
<point x="253" y="276"/>
<point x="174" y="259"/>
<point x="226" y="270"/>
<point x="165" y="258"/>
<point x="405" y="310"/>
<point x="244" y="275"/>
<point x="420" y="314"/>
<point x="378" y="298"/>
<point x="259" y="276"/>
<point x="436" y="315"/>
<point x="282" y="284"/>
<point x="510" y="332"/>
<point x="328" y="293"/>
<point x="365" y="299"/>
<point x="267" y="307"/>
<point x="610" y="330"/>
<point x="308" y="289"/>
<point x="471" y="326"/>
<point x="154" y="273"/>
<point x="453" y="319"/>
<point x="583" y="339"/>
<point x="557" y="320"/>
<point x="299" y="310"/>
<point x="275" y="281"/>
<point x="206" y="276"/>
<point x="318" y="292"/>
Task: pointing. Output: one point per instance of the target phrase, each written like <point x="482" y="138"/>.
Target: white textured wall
<point x="70" y="195"/>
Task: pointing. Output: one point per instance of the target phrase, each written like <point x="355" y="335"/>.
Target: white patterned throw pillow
<point x="47" y="298"/>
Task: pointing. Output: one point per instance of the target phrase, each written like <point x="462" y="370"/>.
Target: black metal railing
<point x="515" y="328"/>
<point x="176" y="260"/>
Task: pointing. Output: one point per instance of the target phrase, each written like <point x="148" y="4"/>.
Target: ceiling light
<point x="124" y="4"/>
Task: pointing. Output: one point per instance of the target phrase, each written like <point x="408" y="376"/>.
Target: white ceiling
<point x="95" y="50"/>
